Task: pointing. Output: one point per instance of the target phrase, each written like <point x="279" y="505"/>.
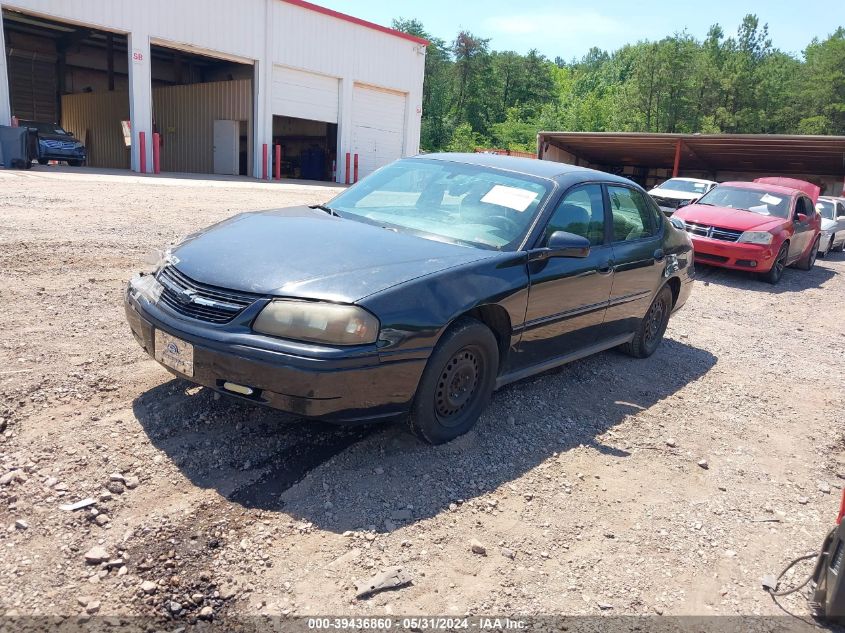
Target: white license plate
<point x="174" y="352"/>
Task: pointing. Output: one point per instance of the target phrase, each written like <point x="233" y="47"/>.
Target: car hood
<point x="306" y="253"/>
<point x="728" y="218"/>
<point x="674" y="194"/>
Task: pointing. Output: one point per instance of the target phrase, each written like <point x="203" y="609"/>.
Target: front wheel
<point x="43" y="161"/>
<point x="76" y="163"/>
<point x="652" y="327"/>
<point x="776" y="271"/>
<point x="457" y="383"/>
<point x="809" y="260"/>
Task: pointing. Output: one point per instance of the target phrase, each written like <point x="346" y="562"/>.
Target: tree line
<point x="477" y="97"/>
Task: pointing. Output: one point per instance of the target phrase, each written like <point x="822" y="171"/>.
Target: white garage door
<point x="378" y="127"/>
<point x="304" y="95"/>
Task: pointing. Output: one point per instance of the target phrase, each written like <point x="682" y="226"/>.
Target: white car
<point x="677" y="192"/>
<point x="832" y="211"/>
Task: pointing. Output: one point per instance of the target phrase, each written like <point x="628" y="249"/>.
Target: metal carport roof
<point x="773" y="154"/>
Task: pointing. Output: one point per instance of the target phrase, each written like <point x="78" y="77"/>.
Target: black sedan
<point x="56" y="143"/>
<point x="418" y="291"/>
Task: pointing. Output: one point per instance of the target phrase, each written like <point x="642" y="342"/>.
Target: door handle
<point x="659" y="255"/>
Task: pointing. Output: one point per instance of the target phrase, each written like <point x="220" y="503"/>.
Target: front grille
<point x="193" y="299"/>
<point x="54" y="144"/>
<point x="704" y="230"/>
<point x="669" y="203"/>
<point x="707" y="257"/>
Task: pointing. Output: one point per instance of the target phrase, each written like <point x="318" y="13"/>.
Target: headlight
<point x="317" y="322"/>
<point x="756" y="237"/>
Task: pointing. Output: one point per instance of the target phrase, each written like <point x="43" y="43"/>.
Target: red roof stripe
<point x="354" y="20"/>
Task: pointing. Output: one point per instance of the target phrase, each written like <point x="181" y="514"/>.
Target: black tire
<point x="652" y="327"/>
<point x="75" y="163"/>
<point x="776" y="271"/>
<point x="43" y="161"/>
<point x="457" y="383"/>
<point x="809" y="260"/>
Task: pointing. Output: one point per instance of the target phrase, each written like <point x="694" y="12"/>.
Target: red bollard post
<point x="356" y="168"/>
<point x="156" y="153"/>
<point x="142" y="147"/>
<point x="347" y="168"/>
<point x="277" y="163"/>
<point x="264" y="161"/>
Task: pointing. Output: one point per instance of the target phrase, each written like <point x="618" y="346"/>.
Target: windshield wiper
<point x="328" y="210"/>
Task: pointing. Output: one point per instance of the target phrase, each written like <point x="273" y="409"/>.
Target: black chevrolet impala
<point x="418" y="291"/>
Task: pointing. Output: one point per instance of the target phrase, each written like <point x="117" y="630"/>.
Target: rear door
<point x="637" y="235"/>
<point x="568" y="296"/>
<point x="840" y="222"/>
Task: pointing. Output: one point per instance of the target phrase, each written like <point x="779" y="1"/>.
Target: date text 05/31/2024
<point x="417" y="624"/>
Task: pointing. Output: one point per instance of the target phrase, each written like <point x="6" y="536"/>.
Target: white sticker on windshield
<point x="770" y="199"/>
<point x="510" y="197"/>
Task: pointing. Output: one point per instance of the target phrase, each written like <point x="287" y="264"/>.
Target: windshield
<point x="685" y="185"/>
<point x="44" y="128"/>
<point x="754" y="200"/>
<point x="825" y="209"/>
<point x="446" y="200"/>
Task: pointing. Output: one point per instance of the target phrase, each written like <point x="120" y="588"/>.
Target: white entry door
<point x="226" y="146"/>
<point x="378" y="127"/>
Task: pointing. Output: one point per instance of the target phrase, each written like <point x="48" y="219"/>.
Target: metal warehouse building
<point x="649" y="159"/>
<point x="224" y="86"/>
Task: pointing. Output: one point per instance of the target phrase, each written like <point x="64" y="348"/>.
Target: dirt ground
<point x="586" y="485"/>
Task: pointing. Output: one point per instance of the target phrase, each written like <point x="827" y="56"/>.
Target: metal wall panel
<point x="94" y="118"/>
<point x="185" y="115"/>
<point x="32" y="83"/>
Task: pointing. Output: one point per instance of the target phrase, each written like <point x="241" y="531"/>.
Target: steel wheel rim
<point x="654" y="320"/>
<point x="457" y="385"/>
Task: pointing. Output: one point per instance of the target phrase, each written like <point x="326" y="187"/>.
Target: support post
<point x="156" y="153"/>
<point x="677" y="159"/>
<point x="140" y="98"/>
<point x="264" y="161"/>
<point x="277" y="163"/>
<point x="142" y="147"/>
<point x="356" y="168"/>
<point x="5" y="102"/>
<point x="347" y="168"/>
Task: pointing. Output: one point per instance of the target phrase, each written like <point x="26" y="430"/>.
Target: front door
<point x="639" y="259"/>
<point x="803" y="231"/>
<point x="568" y="296"/>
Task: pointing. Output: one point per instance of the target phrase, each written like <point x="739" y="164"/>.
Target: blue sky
<point x="569" y="29"/>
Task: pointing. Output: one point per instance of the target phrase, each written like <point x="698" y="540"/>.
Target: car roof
<point x="691" y="179"/>
<point x="761" y="186"/>
<point x="528" y="166"/>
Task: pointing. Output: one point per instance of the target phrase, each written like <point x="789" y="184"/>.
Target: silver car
<point x="832" y="211"/>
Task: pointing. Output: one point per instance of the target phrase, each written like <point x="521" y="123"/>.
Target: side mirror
<point x="686" y="203"/>
<point x="564" y="244"/>
<point x="800" y="217"/>
<point x="678" y="223"/>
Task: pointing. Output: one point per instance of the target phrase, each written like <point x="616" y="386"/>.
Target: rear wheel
<point x="75" y="163"/>
<point x="652" y="327"/>
<point x="457" y="383"/>
<point x="776" y="271"/>
<point x="840" y="248"/>
<point x="809" y="260"/>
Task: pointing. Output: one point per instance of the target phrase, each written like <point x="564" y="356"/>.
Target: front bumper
<point x="735" y="255"/>
<point x="353" y="388"/>
<point x="55" y="153"/>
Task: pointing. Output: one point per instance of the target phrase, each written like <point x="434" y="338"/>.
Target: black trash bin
<point x="16" y="147"/>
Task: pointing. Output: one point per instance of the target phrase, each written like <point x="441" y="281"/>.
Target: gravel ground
<point x="612" y="486"/>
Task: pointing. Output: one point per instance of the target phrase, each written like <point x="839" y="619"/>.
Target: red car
<point x="761" y="226"/>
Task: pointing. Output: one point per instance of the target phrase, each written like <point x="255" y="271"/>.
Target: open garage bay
<point x="668" y="486"/>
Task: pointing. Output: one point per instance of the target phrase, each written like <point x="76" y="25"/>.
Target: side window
<point x="803" y="206"/>
<point x="632" y="215"/>
<point x="580" y="212"/>
<point x="840" y="210"/>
